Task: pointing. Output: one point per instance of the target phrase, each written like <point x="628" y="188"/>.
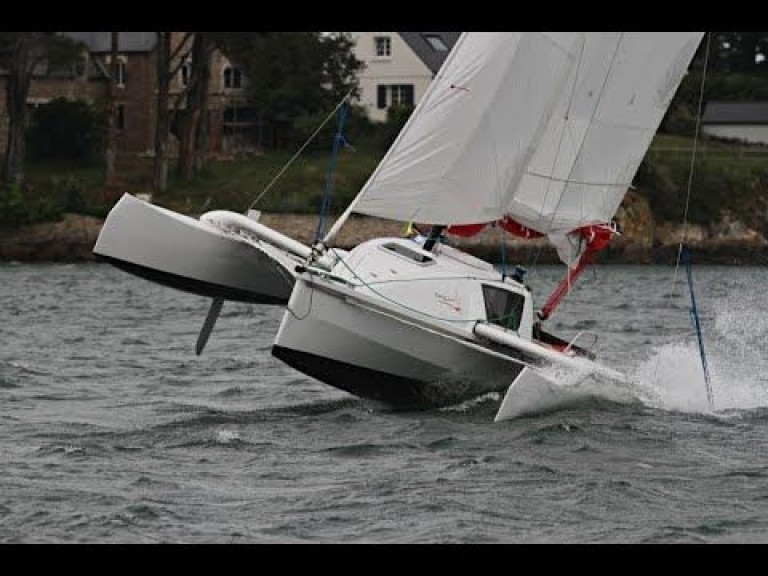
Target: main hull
<point x="193" y="256"/>
<point x="362" y="347"/>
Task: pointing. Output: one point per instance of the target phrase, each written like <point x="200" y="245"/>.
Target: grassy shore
<point x="727" y="176"/>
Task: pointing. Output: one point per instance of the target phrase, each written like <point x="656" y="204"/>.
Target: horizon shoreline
<point x="72" y="239"/>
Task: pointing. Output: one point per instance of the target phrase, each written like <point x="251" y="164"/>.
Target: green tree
<point x="742" y="52"/>
<point x="65" y="130"/>
<point x="21" y="54"/>
<point x="291" y="75"/>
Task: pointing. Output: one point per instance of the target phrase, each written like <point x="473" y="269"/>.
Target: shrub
<point x="65" y="130"/>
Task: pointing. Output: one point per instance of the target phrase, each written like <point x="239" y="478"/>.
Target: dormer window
<point x="233" y="78"/>
<point x="383" y="46"/>
<point x="436" y="42"/>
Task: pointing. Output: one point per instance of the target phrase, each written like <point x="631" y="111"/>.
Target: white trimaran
<point x="540" y="133"/>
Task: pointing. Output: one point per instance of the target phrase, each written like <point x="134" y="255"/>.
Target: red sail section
<point x="518" y="229"/>
<point x="511" y="226"/>
<point x="597" y="238"/>
<point x="466" y="230"/>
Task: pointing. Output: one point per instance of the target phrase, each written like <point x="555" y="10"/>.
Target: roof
<point x="423" y="45"/>
<point x="127" y="41"/>
<point x="718" y="112"/>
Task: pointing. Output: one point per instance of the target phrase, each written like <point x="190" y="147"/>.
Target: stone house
<point x="136" y="97"/>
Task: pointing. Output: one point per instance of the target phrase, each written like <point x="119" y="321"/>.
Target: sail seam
<point x="591" y="120"/>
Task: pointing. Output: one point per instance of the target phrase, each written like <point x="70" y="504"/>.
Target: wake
<point x="671" y="376"/>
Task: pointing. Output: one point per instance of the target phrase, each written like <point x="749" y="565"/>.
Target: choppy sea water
<point x="112" y="430"/>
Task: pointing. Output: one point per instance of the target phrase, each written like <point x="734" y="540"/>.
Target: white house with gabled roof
<point x="399" y="66"/>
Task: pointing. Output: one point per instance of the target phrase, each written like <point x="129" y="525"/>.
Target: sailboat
<point x="538" y="133"/>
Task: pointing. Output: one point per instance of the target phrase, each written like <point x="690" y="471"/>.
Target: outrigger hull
<point x="194" y="256"/>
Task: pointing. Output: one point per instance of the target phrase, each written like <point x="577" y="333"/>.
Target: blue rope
<point x="326" y="205"/>
<point x="695" y="318"/>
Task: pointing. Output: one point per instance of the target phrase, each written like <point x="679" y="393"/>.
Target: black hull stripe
<point x="199" y="287"/>
<point x="396" y="391"/>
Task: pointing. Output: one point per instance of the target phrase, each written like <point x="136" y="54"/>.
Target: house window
<point x="120" y="80"/>
<point x="121" y="72"/>
<point x="383" y="46"/>
<point x="402" y="95"/>
<point x="120" y="117"/>
<point x="185" y="71"/>
<point x="233" y="78"/>
<point x="436" y="42"/>
<point x="394" y="95"/>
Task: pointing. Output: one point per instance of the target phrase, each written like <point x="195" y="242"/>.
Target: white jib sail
<point x="601" y="128"/>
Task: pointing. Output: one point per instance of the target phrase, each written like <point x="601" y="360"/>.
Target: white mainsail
<point x="546" y="128"/>
<point x="471" y="136"/>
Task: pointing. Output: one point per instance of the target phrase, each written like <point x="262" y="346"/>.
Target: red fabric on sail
<point x="511" y="226"/>
<point x="466" y="230"/>
<point x="518" y="229"/>
<point x="598" y="237"/>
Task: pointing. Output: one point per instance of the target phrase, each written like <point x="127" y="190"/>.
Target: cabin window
<point x="408" y="253"/>
<point x="503" y="307"/>
<point x="383" y="46"/>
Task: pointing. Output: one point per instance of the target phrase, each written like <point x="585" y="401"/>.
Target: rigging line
<point x="300" y="150"/>
<point x="503" y="240"/>
<point x="536" y="252"/>
<point x="697" y="326"/>
<point x="608" y="74"/>
<point x="695" y="144"/>
<point x="690" y="183"/>
<point x="581" y="146"/>
<point x="499" y="204"/>
<point x="326" y="205"/>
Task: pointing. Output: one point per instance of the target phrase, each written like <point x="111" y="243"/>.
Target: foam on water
<point x="468" y="405"/>
<point x="227" y="437"/>
<point x="673" y="376"/>
<point x="556" y="387"/>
